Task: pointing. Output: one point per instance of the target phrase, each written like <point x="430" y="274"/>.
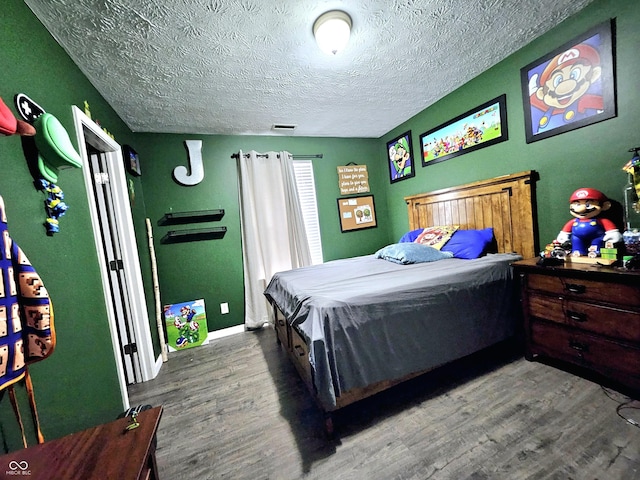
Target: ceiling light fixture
<point x="332" y="30"/>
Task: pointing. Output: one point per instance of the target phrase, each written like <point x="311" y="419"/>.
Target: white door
<point x="108" y="195"/>
<point x="119" y="298"/>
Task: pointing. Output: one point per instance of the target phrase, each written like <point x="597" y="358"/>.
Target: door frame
<point x="89" y="132"/>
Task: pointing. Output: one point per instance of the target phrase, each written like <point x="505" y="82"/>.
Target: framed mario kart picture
<point x="572" y="86"/>
<point x="480" y="127"/>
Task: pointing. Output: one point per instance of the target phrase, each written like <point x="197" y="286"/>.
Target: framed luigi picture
<point x="400" y="158"/>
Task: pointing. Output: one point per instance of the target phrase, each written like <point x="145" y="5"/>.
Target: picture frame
<point x="131" y="160"/>
<point x="357" y="213"/>
<point x="477" y="128"/>
<point x="400" y="158"/>
<point x="589" y="56"/>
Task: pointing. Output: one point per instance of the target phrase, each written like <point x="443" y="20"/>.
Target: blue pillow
<point x="410" y="236"/>
<point x="405" y="253"/>
<point x="469" y="244"/>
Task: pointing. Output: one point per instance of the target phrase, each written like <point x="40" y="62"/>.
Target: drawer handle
<point x="580" y="347"/>
<point x="299" y="349"/>
<point x="577" y="316"/>
<point x="575" y="288"/>
<point x="281" y="322"/>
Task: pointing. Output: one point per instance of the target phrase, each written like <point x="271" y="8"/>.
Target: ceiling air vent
<point x="283" y="127"/>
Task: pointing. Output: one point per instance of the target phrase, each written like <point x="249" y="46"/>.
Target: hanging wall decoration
<point x="400" y="158"/>
<point x="131" y="160"/>
<point x="27" y="334"/>
<point x="357" y="213"/>
<point x="195" y="174"/>
<point x="10" y="125"/>
<point x="570" y="87"/>
<point x="353" y="179"/>
<point x="27" y="108"/>
<point x="480" y="127"/>
<point x="55" y="152"/>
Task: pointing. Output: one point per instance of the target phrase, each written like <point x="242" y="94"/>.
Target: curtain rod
<point x="246" y="155"/>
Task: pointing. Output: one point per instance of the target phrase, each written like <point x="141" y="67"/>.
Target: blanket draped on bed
<point x="367" y="320"/>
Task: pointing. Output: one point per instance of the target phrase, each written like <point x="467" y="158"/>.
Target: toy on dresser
<point x="588" y="231"/>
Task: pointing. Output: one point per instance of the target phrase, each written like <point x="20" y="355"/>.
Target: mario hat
<point x="588" y="194"/>
<point x="582" y="51"/>
<point x="55" y="150"/>
<point x="10" y="125"/>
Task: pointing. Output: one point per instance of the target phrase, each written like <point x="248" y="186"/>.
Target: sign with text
<point x="353" y="179"/>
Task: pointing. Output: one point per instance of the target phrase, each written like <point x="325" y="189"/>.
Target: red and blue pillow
<point x="465" y="244"/>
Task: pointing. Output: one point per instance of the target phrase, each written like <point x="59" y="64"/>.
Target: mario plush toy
<point x="586" y="232"/>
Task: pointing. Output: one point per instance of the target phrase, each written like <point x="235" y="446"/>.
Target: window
<point x="305" y="182"/>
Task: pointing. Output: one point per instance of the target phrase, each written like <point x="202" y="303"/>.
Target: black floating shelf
<point x="175" y="218"/>
<point x="177" y="236"/>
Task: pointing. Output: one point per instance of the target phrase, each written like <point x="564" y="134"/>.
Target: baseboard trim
<point x="225" y="332"/>
<point x="157" y="366"/>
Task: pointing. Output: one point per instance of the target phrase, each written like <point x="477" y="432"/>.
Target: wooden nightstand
<point x="583" y="314"/>
<point x="105" y="452"/>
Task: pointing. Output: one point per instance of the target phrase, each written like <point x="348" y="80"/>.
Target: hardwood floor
<point x="236" y="409"/>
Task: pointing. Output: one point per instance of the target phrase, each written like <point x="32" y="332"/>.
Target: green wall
<point x="77" y="387"/>
<point x="212" y="269"/>
<point x="591" y="156"/>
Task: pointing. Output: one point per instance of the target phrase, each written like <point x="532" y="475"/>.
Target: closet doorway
<point x="106" y="184"/>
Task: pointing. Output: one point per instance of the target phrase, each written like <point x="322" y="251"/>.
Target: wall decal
<point x="194" y="157"/>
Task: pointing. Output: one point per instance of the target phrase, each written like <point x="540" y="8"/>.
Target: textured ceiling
<point x="238" y="67"/>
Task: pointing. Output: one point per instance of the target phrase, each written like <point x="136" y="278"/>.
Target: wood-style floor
<point x="236" y="409"/>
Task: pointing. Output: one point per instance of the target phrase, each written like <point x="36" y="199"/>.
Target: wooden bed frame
<point x="504" y="203"/>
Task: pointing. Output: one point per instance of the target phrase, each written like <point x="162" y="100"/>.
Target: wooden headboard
<point x="504" y="203"/>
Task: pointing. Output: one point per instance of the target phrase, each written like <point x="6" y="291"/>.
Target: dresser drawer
<point x="594" y="291"/>
<point x="612" y="322"/>
<point x="599" y="354"/>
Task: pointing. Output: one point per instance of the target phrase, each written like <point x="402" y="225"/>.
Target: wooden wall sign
<point x="353" y="179"/>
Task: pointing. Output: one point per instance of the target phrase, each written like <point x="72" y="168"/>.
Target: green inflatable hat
<point x="55" y="150"/>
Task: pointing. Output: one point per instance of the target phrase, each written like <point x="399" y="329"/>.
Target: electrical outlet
<point x="224" y="308"/>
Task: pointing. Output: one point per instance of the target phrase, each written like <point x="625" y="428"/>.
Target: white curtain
<point x="273" y="234"/>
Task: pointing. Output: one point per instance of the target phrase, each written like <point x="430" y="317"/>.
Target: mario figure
<point x="586" y="232"/>
<point x="562" y="91"/>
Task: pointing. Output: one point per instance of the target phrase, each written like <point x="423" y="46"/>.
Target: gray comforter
<point x="366" y="319"/>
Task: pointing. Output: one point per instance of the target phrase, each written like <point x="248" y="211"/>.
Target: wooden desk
<point x="105" y="452"/>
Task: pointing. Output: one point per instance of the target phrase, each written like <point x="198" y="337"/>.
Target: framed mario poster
<point x="572" y="86"/>
<point x="186" y="325"/>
